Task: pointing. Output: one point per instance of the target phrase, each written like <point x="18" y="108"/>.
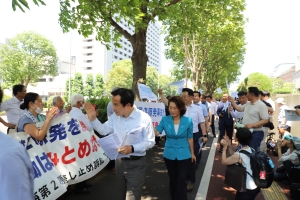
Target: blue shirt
<point x="204" y="109"/>
<point x="16" y="172"/>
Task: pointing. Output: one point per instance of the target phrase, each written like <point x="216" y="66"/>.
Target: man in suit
<point x="225" y="119"/>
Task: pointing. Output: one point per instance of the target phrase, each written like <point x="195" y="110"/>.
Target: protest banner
<point x="146" y="92"/>
<point x="155" y="110"/>
<point x="291" y="115"/>
<point x="68" y="154"/>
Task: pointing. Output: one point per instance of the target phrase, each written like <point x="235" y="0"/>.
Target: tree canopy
<point x="26" y="58"/>
<point x="124" y="67"/>
<point x="207" y="45"/>
<point x="261" y="81"/>
<point x="104" y="18"/>
<point x="23" y="3"/>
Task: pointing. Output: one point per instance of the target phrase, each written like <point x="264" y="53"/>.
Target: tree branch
<point x="120" y="29"/>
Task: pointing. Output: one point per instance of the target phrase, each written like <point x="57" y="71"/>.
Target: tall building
<point x="93" y="57"/>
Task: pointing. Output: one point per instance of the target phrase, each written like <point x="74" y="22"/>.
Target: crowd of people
<point x="189" y="119"/>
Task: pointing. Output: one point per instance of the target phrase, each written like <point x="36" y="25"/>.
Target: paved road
<point x="156" y="185"/>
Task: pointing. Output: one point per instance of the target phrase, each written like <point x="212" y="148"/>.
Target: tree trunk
<point x="139" y="59"/>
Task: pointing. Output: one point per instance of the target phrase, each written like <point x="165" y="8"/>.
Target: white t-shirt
<point x="250" y="184"/>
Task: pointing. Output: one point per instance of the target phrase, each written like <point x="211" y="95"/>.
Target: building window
<point x="90" y="40"/>
<point x="89" y="68"/>
<point x="89" y="54"/>
<point x="116" y="57"/>
<point x="116" y="50"/>
<point x="89" y="61"/>
<point x="50" y="79"/>
<point x="120" y="58"/>
<point x="125" y="54"/>
<point x="89" y="47"/>
<point x="125" y="49"/>
<point x="121" y="53"/>
<point x="42" y="80"/>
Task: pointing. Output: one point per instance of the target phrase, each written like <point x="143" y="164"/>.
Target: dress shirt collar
<point x="133" y="114"/>
<point x="17" y="100"/>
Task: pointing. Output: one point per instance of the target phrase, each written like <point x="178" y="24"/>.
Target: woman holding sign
<point x="33" y="106"/>
<point x="179" y="146"/>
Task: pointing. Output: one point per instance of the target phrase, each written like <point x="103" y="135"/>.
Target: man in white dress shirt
<point x="77" y="103"/>
<point x="212" y="112"/>
<point x="130" y="171"/>
<point x="12" y="107"/>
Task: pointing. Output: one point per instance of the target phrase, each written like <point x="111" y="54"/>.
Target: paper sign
<point x="219" y="90"/>
<point x="234" y="94"/>
<point x="146" y="92"/>
<point x="291" y="115"/>
<point x="155" y="110"/>
<point x="68" y="154"/>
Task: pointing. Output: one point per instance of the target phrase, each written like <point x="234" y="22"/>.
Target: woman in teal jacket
<point x="179" y="150"/>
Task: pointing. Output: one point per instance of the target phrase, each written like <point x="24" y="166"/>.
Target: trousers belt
<point x="132" y="158"/>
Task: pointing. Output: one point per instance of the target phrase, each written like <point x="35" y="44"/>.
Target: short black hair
<point x="242" y="93"/>
<point x="18" y="88"/>
<point x="208" y="96"/>
<point x="179" y="102"/>
<point x="29" y="97"/>
<point x="254" y="91"/>
<point x="261" y="93"/>
<point x="266" y="93"/>
<point x="127" y="96"/>
<point x="244" y="136"/>
<point x="189" y="91"/>
<point x="197" y="92"/>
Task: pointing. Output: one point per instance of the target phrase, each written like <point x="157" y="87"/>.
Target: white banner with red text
<point x="68" y="154"/>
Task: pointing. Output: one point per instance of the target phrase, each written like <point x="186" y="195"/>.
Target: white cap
<point x="280" y="100"/>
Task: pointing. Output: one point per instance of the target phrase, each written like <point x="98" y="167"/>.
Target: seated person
<point x="288" y="159"/>
<point x="282" y="129"/>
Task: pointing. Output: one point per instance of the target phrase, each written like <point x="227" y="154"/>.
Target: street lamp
<point x="72" y="62"/>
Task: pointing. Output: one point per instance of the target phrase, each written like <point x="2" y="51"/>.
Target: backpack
<point x="262" y="168"/>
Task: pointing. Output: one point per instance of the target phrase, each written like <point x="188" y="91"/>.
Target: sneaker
<point x="189" y="186"/>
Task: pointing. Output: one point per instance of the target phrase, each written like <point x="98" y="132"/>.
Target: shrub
<point x="102" y="105"/>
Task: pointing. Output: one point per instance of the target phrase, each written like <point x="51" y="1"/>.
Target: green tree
<point x="99" y="85"/>
<point x="26" y="58"/>
<point x="89" y="85"/>
<point x="124" y="67"/>
<point x="208" y="45"/>
<point x="119" y="76"/>
<point x="77" y="84"/>
<point x="66" y="96"/>
<point x="261" y="81"/>
<point x="281" y="87"/>
<point x="104" y="18"/>
<point x="23" y="3"/>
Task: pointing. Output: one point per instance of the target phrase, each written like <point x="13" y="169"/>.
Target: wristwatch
<point x="204" y="135"/>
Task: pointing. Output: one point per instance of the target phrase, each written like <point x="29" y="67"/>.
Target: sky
<point x="272" y="31"/>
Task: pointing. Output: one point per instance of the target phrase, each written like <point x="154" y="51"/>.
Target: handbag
<point x="235" y="177"/>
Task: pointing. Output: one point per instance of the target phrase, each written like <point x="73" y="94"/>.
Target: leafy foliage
<point x="102" y="105"/>
<point x="77" y="84"/>
<point x="89" y="86"/>
<point x="23" y="3"/>
<point x="124" y="67"/>
<point x="281" y="87"/>
<point x="26" y="58"/>
<point x="209" y="43"/>
<point x="99" y="85"/>
<point x="261" y="81"/>
<point x="104" y="18"/>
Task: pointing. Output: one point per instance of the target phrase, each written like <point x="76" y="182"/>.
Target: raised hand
<point x="51" y="113"/>
<point x="90" y="111"/>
